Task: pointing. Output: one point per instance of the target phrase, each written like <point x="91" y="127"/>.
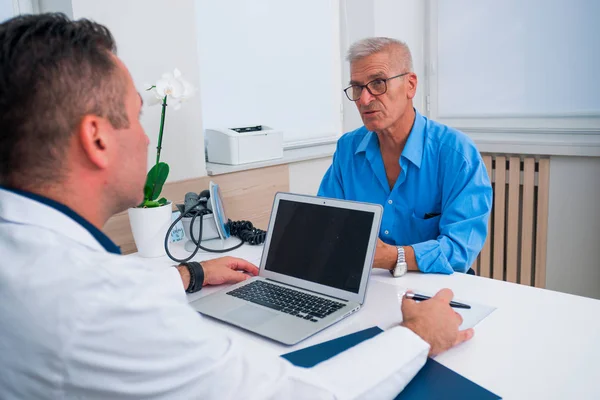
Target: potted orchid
<point x="152" y="217"/>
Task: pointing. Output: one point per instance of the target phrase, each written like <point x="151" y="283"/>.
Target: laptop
<point x="314" y="269"/>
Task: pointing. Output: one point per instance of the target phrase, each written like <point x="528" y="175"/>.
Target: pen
<point x="420" y="297"/>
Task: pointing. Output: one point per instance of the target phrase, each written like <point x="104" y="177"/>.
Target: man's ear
<point x="93" y="134"/>
<point x="411" y="82"/>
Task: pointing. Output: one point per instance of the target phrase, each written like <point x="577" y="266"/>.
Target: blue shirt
<point x="441" y="202"/>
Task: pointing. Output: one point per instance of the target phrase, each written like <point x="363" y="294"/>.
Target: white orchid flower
<point x="174" y="87"/>
<point x="151" y="96"/>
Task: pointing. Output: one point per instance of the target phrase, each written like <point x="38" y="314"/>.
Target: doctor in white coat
<point x="80" y="321"/>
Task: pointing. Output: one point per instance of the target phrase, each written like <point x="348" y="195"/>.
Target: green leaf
<point x="155" y="180"/>
<point x="151" y="204"/>
<point x="162" y="201"/>
<point x="147" y="190"/>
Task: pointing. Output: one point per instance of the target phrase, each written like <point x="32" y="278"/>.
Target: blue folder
<point x="434" y="381"/>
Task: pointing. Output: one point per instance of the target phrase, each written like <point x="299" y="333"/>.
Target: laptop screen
<point x="321" y="244"/>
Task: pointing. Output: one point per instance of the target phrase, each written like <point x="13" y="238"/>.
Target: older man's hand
<point x="385" y="255"/>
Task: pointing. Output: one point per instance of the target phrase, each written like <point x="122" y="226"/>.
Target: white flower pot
<point x="149" y="227"/>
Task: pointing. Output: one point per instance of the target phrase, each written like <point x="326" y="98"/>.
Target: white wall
<point x="498" y="58"/>
<point x="6" y="10"/>
<point x="153" y="37"/>
<point x="63" y="6"/>
<point x="306" y="176"/>
<point x="262" y="66"/>
<point x="573" y="256"/>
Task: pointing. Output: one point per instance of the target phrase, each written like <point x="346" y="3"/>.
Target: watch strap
<point x="196" y="276"/>
<point x="401" y="255"/>
<point x="400" y="268"/>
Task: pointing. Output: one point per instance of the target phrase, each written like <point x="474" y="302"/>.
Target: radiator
<point x="515" y="249"/>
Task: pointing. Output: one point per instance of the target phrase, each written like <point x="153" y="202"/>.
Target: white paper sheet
<point x="382" y="293"/>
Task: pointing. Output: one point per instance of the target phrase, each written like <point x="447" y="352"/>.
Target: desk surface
<point x="536" y="344"/>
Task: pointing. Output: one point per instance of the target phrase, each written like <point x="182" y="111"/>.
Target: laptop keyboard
<point x="290" y="301"/>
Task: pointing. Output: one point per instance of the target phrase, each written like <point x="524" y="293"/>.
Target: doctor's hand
<point x="435" y="322"/>
<point x="227" y="270"/>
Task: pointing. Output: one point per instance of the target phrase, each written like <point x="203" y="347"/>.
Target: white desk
<point x="537" y="344"/>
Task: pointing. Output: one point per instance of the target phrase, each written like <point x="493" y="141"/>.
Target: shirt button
<point x="387" y="232"/>
<point x="390" y="201"/>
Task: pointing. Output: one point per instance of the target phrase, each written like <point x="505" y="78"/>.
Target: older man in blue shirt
<point x="430" y="178"/>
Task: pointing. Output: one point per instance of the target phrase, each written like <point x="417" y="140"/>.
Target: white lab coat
<point x="79" y="322"/>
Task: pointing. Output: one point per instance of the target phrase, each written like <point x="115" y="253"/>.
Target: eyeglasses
<point x="376" y="87"/>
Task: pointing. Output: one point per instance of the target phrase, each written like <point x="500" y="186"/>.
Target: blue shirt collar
<point x="413" y="150"/>
<point x="370" y="138"/>
<point x="104" y="240"/>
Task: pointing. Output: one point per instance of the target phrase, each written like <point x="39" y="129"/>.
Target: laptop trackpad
<point x="248" y="315"/>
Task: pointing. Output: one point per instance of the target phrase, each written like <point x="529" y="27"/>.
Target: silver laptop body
<point x="314" y="269"/>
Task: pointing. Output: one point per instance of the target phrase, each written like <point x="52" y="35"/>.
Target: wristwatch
<point x="401" y="266"/>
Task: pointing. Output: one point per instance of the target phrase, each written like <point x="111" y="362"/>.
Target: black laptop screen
<point x="321" y="244"/>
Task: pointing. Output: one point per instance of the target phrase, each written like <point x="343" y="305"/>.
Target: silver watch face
<point x="399" y="270"/>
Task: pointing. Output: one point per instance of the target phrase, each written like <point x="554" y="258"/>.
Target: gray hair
<point x="369" y="46"/>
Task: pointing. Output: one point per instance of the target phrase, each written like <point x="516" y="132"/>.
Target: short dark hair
<point x="53" y="72"/>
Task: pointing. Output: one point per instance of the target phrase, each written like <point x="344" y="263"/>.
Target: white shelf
<point x="289" y="156"/>
<point x="552" y="144"/>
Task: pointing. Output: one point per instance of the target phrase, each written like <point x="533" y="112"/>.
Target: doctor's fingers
<point x="242" y="265"/>
<point x="231" y="276"/>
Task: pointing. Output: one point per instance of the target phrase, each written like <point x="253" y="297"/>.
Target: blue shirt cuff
<point x="430" y="258"/>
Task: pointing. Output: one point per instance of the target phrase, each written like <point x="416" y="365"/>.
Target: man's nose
<point x="365" y="97"/>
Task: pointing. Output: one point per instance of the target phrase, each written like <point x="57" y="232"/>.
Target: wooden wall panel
<point x="499" y="217"/>
<point x="515" y="249"/>
<point x="527" y="222"/>
<point x="512" y="226"/>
